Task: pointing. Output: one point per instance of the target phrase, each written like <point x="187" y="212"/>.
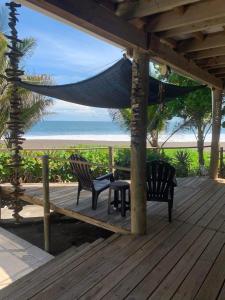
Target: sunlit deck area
<point x="181" y="260"/>
<point x="18" y="257"/>
<point x="197" y="201"/>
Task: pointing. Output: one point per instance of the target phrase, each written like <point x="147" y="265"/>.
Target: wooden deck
<point x="193" y="203"/>
<point x="181" y="260"/>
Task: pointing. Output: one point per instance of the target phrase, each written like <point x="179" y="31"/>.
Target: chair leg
<point x="109" y="201"/>
<point x="94" y="199"/>
<point x="78" y="194"/>
<point x="123" y="203"/>
<point x="170" y="206"/>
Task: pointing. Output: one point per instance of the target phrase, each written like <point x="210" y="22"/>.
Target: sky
<point x="68" y="55"/>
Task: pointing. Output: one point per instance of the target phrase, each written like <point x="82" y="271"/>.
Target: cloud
<point x="66" y="111"/>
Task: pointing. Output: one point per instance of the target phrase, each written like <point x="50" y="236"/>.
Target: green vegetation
<point x="185" y="162"/>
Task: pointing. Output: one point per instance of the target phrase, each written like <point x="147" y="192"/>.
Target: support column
<point x="216" y="125"/>
<point x="139" y="102"/>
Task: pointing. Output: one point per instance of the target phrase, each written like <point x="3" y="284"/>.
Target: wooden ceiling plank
<point x="215" y="61"/>
<point x="195" y="13"/>
<point x="142" y="8"/>
<point x="220" y="75"/>
<point x="207" y="53"/>
<point x="217" y="71"/>
<point x="198" y="26"/>
<point x="166" y="55"/>
<point x="213" y="67"/>
<point x="210" y="41"/>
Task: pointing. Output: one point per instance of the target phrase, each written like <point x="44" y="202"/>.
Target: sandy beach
<point x="63" y="144"/>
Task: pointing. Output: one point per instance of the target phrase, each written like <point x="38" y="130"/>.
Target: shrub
<point x="182" y="163"/>
<point x="185" y="162"/>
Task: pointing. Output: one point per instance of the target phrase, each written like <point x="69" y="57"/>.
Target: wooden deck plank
<point x="168" y="236"/>
<point x="29" y="286"/>
<point x="215" y="279"/>
<point x="207" y="203"/>
<point x="222" y="293"/>
<point x="218" y="219"/>
<point x="104" y="263"/>
<point x="176" y="243"/>
<point x="194" y="203"/>
<point x="172" y="281"/>
<point x="214" y="209"/>
<point x="144" y="289"/>
<point x="196" y="277"/>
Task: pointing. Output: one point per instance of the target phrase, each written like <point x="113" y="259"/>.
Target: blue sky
<point x="68" y="55"/>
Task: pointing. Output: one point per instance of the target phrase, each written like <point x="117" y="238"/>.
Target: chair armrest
<point x="174" y="181"/>
<point x="106" y="176"/>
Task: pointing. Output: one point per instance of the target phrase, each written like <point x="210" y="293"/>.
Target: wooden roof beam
<point x="207" y="53"/>
<point x="208" y="68"/>
<point x="211" y="41"/>
<point x="217" y="71"/>
<point x="96" y="19"/>
<point x="164" y="54"/>
<point x="195" y="13"/>
<point x="196" y="27"/>
<point x="220" y="75"/>
<point x="142" y="8"/>
<point x="212" y="62"/>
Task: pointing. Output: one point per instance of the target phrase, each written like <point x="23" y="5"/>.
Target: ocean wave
<point x="94" y="137"/>
<point x="183" y="137"/>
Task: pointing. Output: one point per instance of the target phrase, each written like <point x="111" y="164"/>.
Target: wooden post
<point x="216" y="125"/>
<point x="139" y="102"/>
<point x="0" y="203"/>
<point x="45" y="178"/>
<point x="221" y="162"/>
<point x="111" y="159"/>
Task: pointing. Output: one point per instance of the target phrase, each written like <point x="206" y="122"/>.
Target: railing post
<point x="111" y="159"/>
<point x="45" y="178"/>
<point x="0" y="203"/>
<point x="216" y="126"/>
<point x="221" y="162"/>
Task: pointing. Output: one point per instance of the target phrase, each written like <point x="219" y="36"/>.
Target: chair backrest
<point x="160" y="178"/>
<point x="81" y="170"/>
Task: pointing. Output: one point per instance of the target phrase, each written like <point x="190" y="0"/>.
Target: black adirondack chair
<point x="160" y="183"/>
<point x="83" y="173"/>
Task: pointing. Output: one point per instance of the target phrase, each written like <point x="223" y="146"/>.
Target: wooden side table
<point x="120" y="189"/>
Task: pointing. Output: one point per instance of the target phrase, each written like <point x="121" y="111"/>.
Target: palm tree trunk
<point x="154" y="138"/>
<point x="200" y="146"/>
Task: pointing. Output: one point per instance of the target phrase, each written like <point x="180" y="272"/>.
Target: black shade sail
<point x="109" y="89"/>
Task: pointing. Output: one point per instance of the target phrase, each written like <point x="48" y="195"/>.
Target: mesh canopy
<point x="109" y="89"/>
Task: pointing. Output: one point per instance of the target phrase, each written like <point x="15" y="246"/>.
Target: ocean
<point x="100" y="131"/>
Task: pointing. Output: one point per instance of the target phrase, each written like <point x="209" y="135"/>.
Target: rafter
<point x="208" y="68"/>
<point x="207" y="53"/>
<point x="215" y="61"/>
<point x="142" y="8"/>
<point x="166" y="55"/>
<point x="210" y="41"/>
<point x="217" y="71"/>
<point x="221" y="75"/>
<point x="198" y="26"/>
<point x="195" y="13"/>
